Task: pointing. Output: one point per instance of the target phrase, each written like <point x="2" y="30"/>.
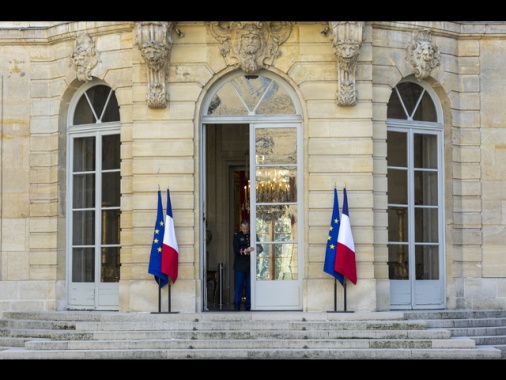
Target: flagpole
<point x="335" y="294"/>
<point x="344" y="286"/>
<point x="159" y="298"/>
<point x="168" y="297"/>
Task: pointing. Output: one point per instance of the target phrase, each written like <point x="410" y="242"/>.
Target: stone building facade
<point x="408" y="117"/>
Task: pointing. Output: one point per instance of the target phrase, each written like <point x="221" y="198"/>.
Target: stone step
<point x="249" y="344"/>
<point x="283" y="316"/>
<point x="253" y="325"/>
<point x="454" y="314"/>
<point x="489" y="340"/>
<point x="479" y="331"/>
<point x="215" y="325"/>
<point x="276" y="354"/>
<point x="229" y="334"/>
<point x="467" y="323"/>
<point x="9" y="342"/>
<point x="500" y="347"/>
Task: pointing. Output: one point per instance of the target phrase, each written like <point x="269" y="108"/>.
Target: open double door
<point x="263" y="187"/>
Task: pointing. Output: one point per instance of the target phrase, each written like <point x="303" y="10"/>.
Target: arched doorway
<point x="251" y="161"/>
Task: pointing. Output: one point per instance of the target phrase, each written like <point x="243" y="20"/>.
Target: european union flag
<point x="155" y="260"/>
<point x="330" y="253"/>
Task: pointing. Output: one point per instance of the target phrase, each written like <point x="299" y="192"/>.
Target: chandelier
<point x="272" y="186"/>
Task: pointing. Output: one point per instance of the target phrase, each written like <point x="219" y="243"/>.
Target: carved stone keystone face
<point x="84" y="57"/>
<point x="422" y="54"/>
<point x="250" y="45"/>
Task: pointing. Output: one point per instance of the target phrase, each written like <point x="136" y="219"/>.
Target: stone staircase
<point x="486" y="327"/>
<point x="253" y="335"/>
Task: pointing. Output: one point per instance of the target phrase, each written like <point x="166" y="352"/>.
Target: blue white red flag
<point x="155" y="259"/>
<point x="345" y="254"/>
<point x="330" y="253"/>
<point x="170" y="249"/>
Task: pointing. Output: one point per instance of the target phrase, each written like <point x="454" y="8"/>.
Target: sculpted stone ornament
<point x="84" y="58"/>
<point x="250" y="45"/>
<point x="154" y="39"/>
<point x="346" y="40"/>
<point x="423" y="54"/>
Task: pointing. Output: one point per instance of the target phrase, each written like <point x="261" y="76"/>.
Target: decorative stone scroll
<point x="84" y="58"/>
<point x="346" y="39"/>
<point x="423" y="54"/>
<point x="154" y="39"/>
<point x="250" y="45"/>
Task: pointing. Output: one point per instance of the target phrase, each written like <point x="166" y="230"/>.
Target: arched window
<point x="93" y="199"/>
<point x="415" y="197"/>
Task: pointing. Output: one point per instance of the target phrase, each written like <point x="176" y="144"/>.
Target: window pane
<point x="275" y="184"/>
<point x="397" y="149"/>
<point x="426" y="225"/>
<point x="276" y="101"/>
<point x="84" y="113"/>
<point x="83" y="228"/>
<point x="410" y="94"/>
<point x="110" y="264"/>
<point x="398" y="224"/>
<point x="398" y="261"/>
<point x="273" y="213"/>
<point x="264" y="263"/>
<point x="98" y="97"/>
<point x="276" y="146"/>
<point x="425" y="151"/>
<point x="427" y="262"/>
<point x="426" y="188"/>
<point x="112" y="109"/>
<point x="83" y="194"/>
<point x="278" y="262"/>
<point x="227" y="102"/>
<point x="398" y="186"/>
<point x="84" y="154"/>
<point x="110" y="226"/>
<point x="83" y="265"/>
<point x="111" y="189"/>
<point x="395" y="110"/>
<point x="111" y="152"/>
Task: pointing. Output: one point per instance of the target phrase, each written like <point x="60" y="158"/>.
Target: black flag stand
<point x="344" y="286"/>
<point x="335" y="298"/>
<point x="160" y="302"/>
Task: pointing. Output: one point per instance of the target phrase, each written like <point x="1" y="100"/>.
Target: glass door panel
<point x="275" y="176"/>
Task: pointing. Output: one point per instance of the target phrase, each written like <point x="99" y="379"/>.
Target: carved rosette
<point x="423" y="54"/>
<point x="346" y="40"/>
<point x="154" y="39"/>
<point x="84" y="58"/>
<point x="250" y="45"/>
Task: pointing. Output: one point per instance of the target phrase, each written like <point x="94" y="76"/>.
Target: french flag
<point x="170" y="250"/>
<point x="345" y="252"/>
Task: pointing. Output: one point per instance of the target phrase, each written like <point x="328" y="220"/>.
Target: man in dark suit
<point x="242" y="251"/>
